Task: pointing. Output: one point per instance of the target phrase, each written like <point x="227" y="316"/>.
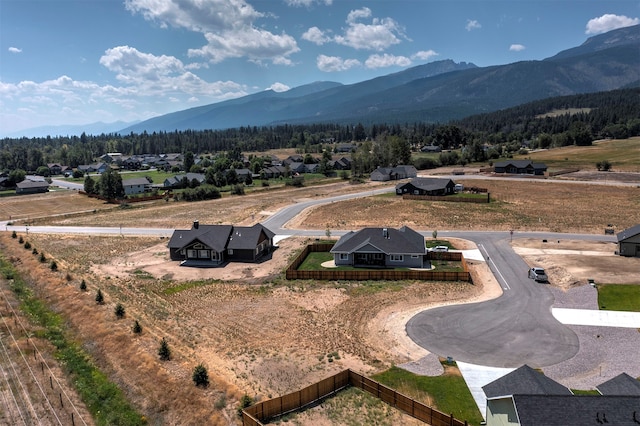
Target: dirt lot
<point x="258" y="333"/>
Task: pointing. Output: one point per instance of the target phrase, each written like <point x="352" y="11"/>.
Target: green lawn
<point x="314" y="261"/>
<point x="619" y="297"/>
<point x="449" y="393"/>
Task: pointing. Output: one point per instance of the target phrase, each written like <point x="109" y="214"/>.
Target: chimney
<point x="385" y="233"/>
<point x="196" y="224"/>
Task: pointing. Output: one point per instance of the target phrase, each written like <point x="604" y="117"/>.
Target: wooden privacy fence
<point x="272" y="408"/>
<point x="292" y="272"/>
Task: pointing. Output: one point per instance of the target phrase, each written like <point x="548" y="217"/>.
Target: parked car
<point x="440" y="248"/>
<point x="538" y="275"/>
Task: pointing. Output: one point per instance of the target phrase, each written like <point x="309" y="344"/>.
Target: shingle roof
<point x="524" y="380"/>
<point x="622" y="384"/>
<point x="521" y="164"/>
<point x="628" y="233"/>
<point x="570" y="410"/>
<point x="135" y="181"/>
<point x="246" y="237"/>
<point x="214" y="236"/>
<point x="427" y="184"/>
<point x="397" y="241"/>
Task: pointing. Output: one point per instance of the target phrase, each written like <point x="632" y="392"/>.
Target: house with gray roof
<point x="526" y="397"/>
<point x="383" y="174"/>
<point x="629" y="242"/>
<point x="426" y="186"/>
<point x="28" y="186"/>
<point x="136" y="186"/>
<point x="381" y="248"/>
<point x="177" y="180"/>
<point x="520" y="167"/>
<point x="215" y="245"/>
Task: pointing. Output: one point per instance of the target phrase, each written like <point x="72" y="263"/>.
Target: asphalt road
<point x="513" y="329"/>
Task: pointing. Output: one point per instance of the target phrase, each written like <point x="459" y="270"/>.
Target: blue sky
<point x="84" y="61"/>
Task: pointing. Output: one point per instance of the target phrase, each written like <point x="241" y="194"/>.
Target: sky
<point x="70" y="62"/>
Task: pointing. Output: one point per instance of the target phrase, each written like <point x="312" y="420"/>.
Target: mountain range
<point x="435" y="92"/>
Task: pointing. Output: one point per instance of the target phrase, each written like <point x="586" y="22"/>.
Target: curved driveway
<point x="513" y="329"/>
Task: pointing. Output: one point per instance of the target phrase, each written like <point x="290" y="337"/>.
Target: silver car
<point x="538" y="275"/>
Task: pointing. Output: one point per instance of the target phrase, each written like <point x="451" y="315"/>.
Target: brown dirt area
<point x="260" y="334"/>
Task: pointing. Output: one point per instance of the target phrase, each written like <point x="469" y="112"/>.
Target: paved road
<point x="513" y="329"/>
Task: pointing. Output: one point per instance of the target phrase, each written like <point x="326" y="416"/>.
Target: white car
<point x="440" y="248"/>
<point x="538" y="274"/>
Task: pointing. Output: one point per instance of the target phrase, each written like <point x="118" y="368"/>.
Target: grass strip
<point x="104" y="400"/>
<point x="619" y="297"/>
<point x="449" y="392"/>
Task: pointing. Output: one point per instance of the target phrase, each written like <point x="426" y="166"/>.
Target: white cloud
<point x="472" y="24"/>
<point x="315" y="35"/>
<point x="378" y="35"/>
<point x="609" y="22"/>
<point x="424" y="55"/>
<point x="516" y="48"/>
<point x="14" y="50"/>
<point x="278" y="87"/>
<point x="254" y="43"/>
<point x="335" y="63"/>
<point x="228" y="26"/>
<point x="386" y="60"/>
<point x="307" y="3"/>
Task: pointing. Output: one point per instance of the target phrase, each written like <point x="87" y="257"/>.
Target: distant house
<point x="214" y="245"/>
<point x="381" y="247"/>
<point x="273" y="172"/>
<point x="629" y="242"/>
<point x="520" y="167"/>
<point x="297" y="168"/>
<point x="136" y="186"/>
<point x="243" y="174"/>
<point x="32" y="187"/>
<point x="54" y="169"/>
<point x="346" y="147"/>
<point x="111" y="157"/>
<point x="295" y="158"/>
<point x="341" y="164"/>
<point x="383" y="174"/>
<point x="131" y="163"/>
<point x="431" y="148"/>
<point x="527" y="397"/>
<point x="426" y="186"/>
<point x="93" y="168"/>
<point x="176" y="181"/>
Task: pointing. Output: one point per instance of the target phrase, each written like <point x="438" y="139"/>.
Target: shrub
<point x="54" y="265"/>
<point x="164" y="352"/>
<point x="119" y="310"/>
<point x="245" y="401"/>
<point x="200" y="376"/>
<point x="14" y="235"/>
<point x="221" y="402"/>
<point x="34" y="251"/>
<point x="99" y="298"/>
<point x="137" y="328"/>
<point x="43" y="258"/>
<point x="83" y="286"/>
<point x="21" y="240"/>
<point x="27" y="245"/>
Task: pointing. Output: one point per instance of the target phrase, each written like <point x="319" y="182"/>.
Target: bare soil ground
<point x="258" y="333"/>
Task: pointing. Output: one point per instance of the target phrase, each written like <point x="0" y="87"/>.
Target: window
<point x="414" y="256"/>
<point x="344" y="256"/>
<point x="230" y="251"/>
<point x="396" y="257"/>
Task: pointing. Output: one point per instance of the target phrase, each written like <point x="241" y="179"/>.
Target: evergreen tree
<point x="111" y="185"/>
<point x="99" y="298"/>
<point x="119" y="311"/>
<point x="201" y="376"/>
<point x="137" y="328"/>
<point x="164" y="352"/>
<point x="89" y="185"/>
<point x="83" y="286"/>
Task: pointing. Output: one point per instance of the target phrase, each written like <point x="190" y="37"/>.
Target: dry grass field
<point x="257" y="333"/>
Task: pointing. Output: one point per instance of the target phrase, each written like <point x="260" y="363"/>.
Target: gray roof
<point x="570" y="410"/>
<point x="396" y="241"/>
<point x="135" y="181"/>
<point x="521" y="164"/>
<point x="524" y="380"/>
<point x="214" y="236"/>
<point x="247" y="237"/>
<point x="622" y="384"/>
<point x="427" y="184"/>
<point x="628" y="233"/>
<point x="31" y="184"/>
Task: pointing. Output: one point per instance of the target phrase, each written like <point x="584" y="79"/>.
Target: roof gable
<point x="524" y="380"/>
<point x="622" y="384"/>
<point x="247" y="237"/>
<point x="629" y="232"/>
<point x="388" y="240"/>
<point x="214" y="236"/>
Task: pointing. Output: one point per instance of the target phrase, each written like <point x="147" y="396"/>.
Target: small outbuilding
<point x="629" y="242"/>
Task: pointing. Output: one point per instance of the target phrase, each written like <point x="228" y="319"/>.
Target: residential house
<point x="346" y="147"/>
<point x="383" y="174"/>
<point x="214" y="245"/>
<point x="28" y="186"/>
<point x="54" y="169"/>
<point x="111" y="157"/>
<point x="295" y="158"/>
<point x="131" y="163"/>
<point x="93" y="168"/>
<point x="629" y="242"/>
<point x="273" y="172"/>
<point x="136" y="186"/>
<point x="520" y="167"/>
<point x="342" y="163"/>
<point x="431" y="148"/>
<point x="311" y="168"/>
<point x="527" y="397"/>
<point x="426" y="186"/>
<point x="297" y="168"/>
<point x="176" y="181"/>
<point x="381" y="247"/>
<point x="243" y="174"/>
